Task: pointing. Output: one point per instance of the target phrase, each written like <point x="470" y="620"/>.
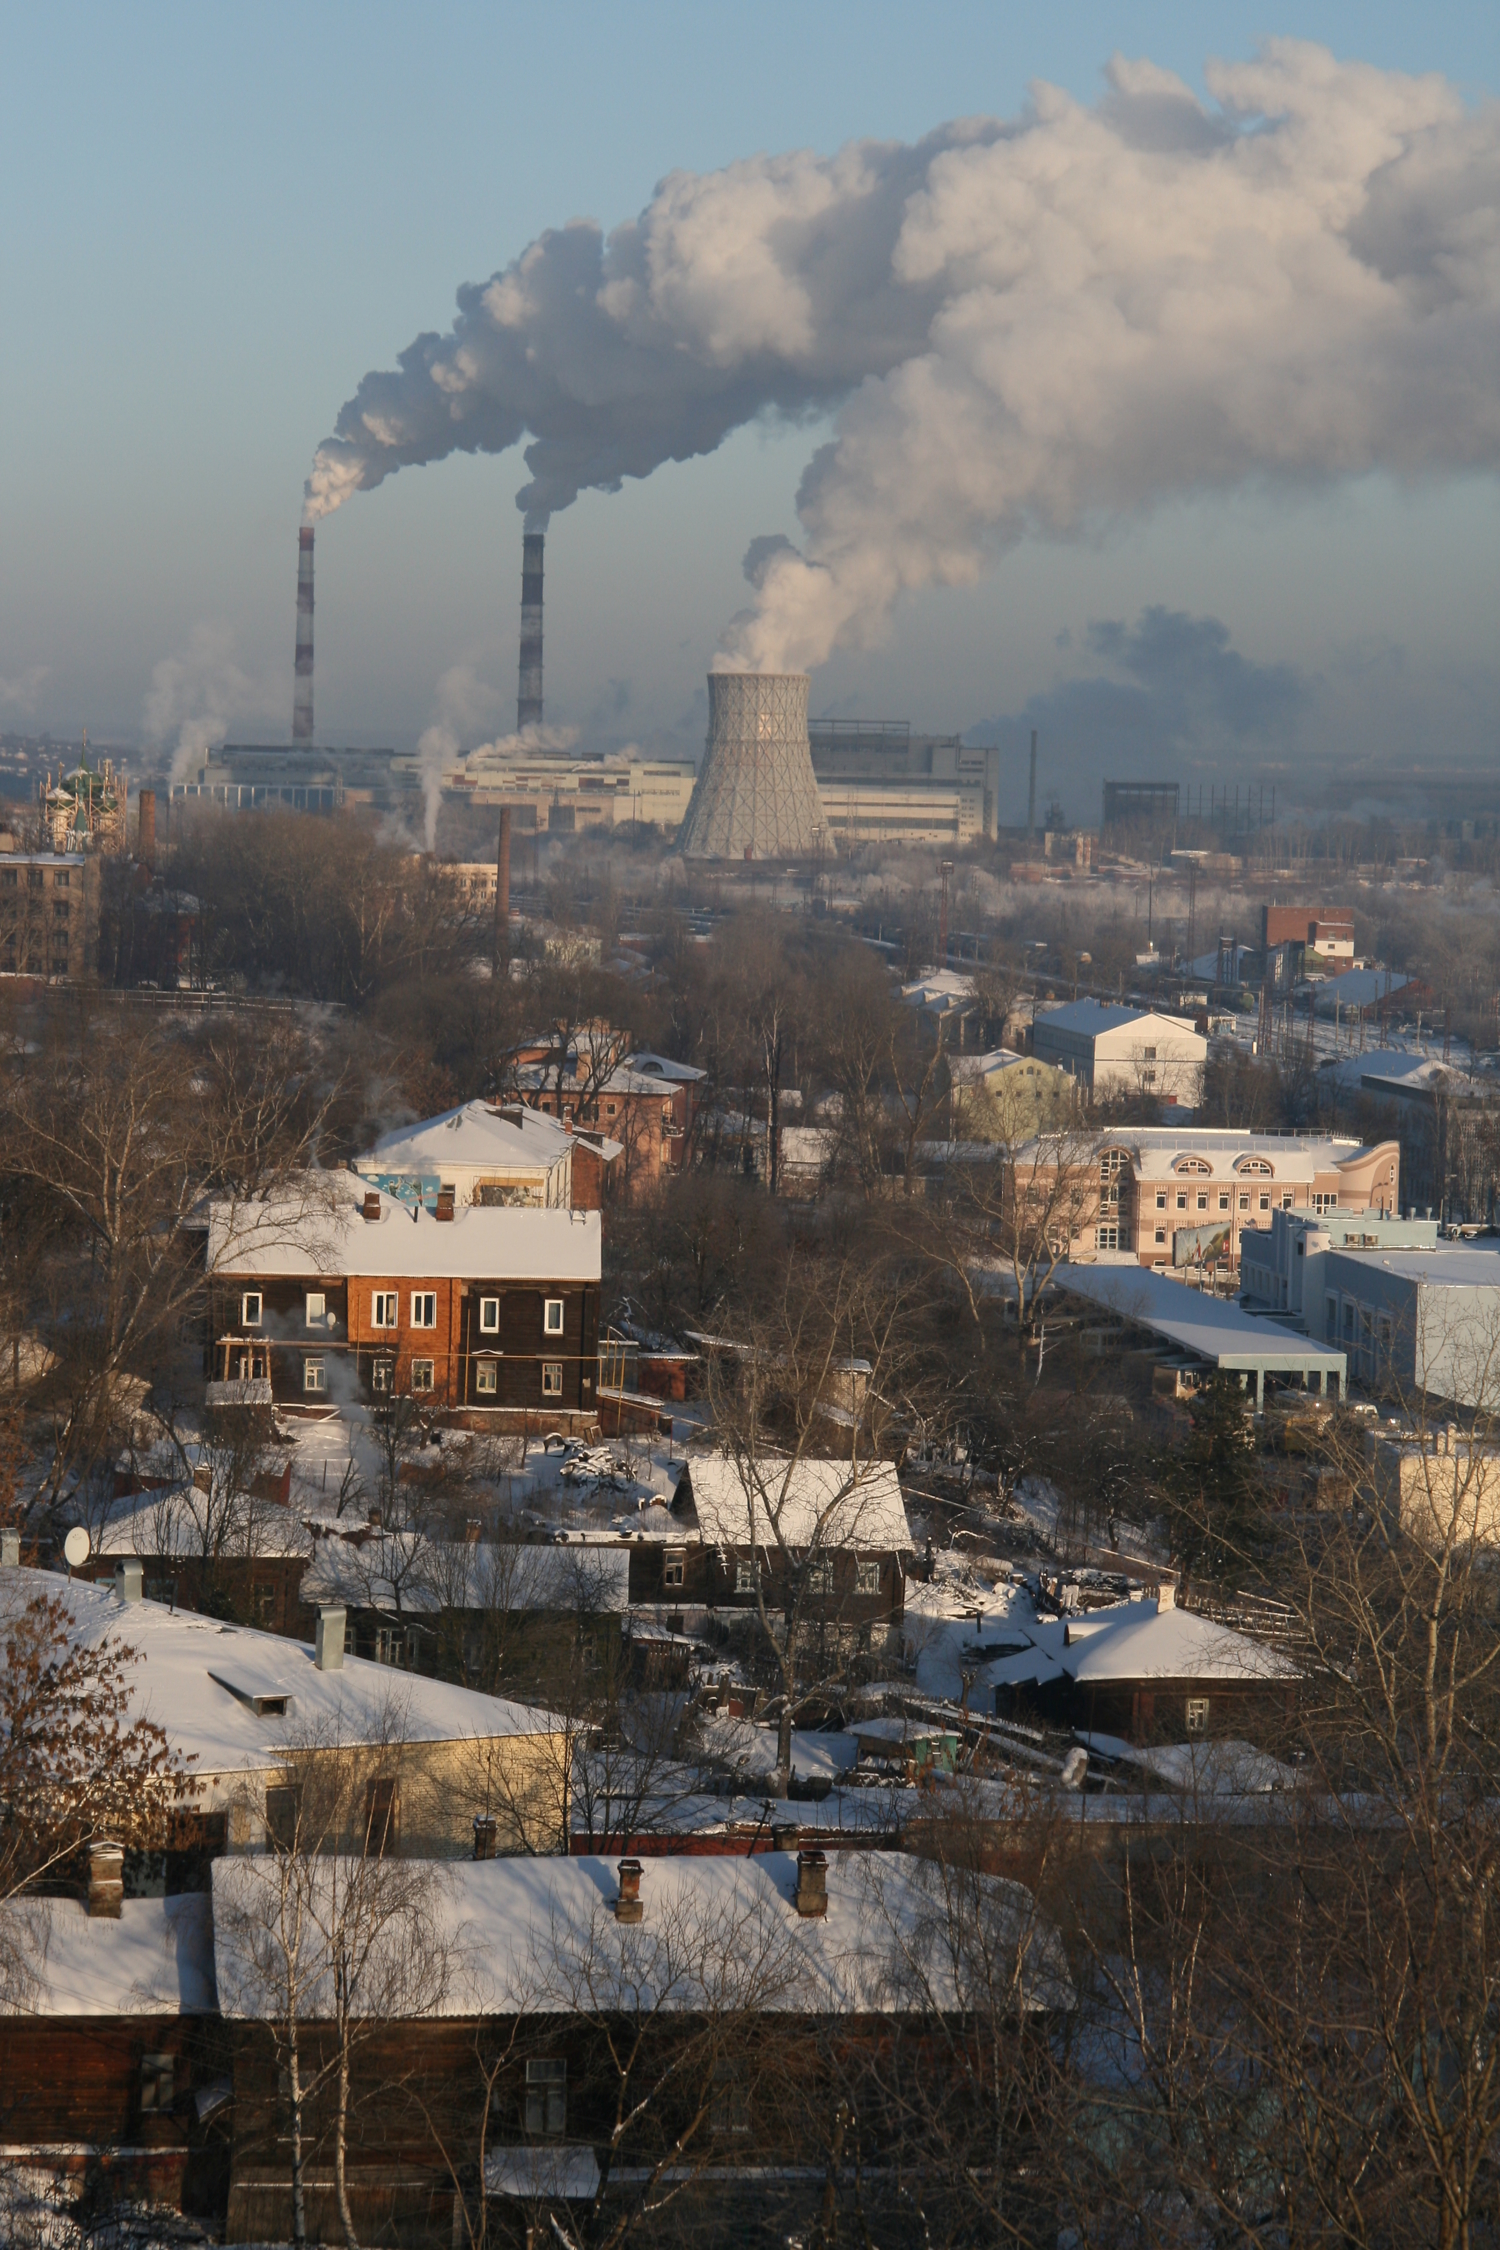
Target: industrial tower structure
<point x="756" y="796"/>
<point x="302" y="688"/>
<point x="529" y="695"/>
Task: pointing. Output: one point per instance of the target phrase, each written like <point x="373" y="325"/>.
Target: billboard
<point x="1201" y="1246"/>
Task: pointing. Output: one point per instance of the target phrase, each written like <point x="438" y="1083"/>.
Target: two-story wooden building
<point x="484" y="1314"/>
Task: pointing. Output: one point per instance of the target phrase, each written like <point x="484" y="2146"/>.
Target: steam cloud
<point x="195" y="697"/>
<point x="1018" y="327"/>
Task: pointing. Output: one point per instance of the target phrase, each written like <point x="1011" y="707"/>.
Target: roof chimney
<point x="302" y="690"/>
<point x="529" y="697"/>
<point x="328" y="1647"/>
<point x="444" y="1204"/>
<point x="106" y="1882"/>
<point x="812" y="1883"/>
<point x="372" y="1203"/>
<point x="628" y="1906"/>
<point x="10" y="1549"/>
<point x="486" y="1834"/>
<point x="128" y="1578"/>
<point x="1166" y="1594"/>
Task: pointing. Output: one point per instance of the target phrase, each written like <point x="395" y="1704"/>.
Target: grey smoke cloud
<point x="1018" y="328"/>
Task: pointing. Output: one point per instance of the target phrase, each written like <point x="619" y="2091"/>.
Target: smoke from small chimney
<point x="302" y="693"/>
<point x="529" y="696"/>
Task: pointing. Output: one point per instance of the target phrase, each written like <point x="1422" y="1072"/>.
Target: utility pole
<point x="945" y="869"/>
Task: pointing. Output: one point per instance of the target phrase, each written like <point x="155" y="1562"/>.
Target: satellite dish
<point x="76" y="1547"/>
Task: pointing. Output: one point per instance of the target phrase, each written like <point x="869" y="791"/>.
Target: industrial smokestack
<point x="146" y="814"/>
<point x="1031" y="795"/>
<point x="502" y="888"/>
<point x="529" y="698"/>
<point x="755" y="796"/>
<point x="302" y="695"/>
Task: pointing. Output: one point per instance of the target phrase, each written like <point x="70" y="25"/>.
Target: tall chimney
<point x="529" y="698"/>
<point x="502" y="888"/>
<point x="146" y="813"/>
<point x="302" y="703"/>
<point x="1031" y="795"/>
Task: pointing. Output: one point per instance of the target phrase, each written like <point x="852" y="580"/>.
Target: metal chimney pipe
<point x="502" y="888"/>
<point x="146" y="815"/>
<point x="302" y="693"/>
<point x="529" y="697"/>
<point x="1031" y="795"/>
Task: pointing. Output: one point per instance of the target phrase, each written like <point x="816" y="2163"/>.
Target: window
<point x="314" y="1374"/>
<point x="317" y="1308"/>
<point x="1223" y="1199"/>
<point x="1181" y="1201"/>
<point x="382" y="1817"/>
<point x="421" y="1374"/>
<point x="1106" y="1238"/>
<point x="552" y="1316"/>
<point x="552" y="1378"/>
<point x="1265" y="1203"/>
<point x="8" y="878"/>
<point x="1161" y="1234"/>
<point x="545" y="2109"/>
<point x="1202" y="1201"/>
<point x="381" y="1372"/>
<point x="487" y="1377"/>
<point x="674" y="1570"/>
<point x="156" y="2085"/>
<point x="746" y="1575"/>
<point x="250" y="1309"/>
<point x="424" y="1308"/>
<point x="1330" y="1316"/>
<point x="820" y="1573"/>
<point x="60" y="879"/>
<point x="1161" y="1199"/>
<point x="1197" y="1714"/>
<point x="489" y="1316"/>
<point x="60" y="910"/>
<point x="729" y="2106"/>
<point x="34" y="879"/>
<point x="393" y="1646"/>
<point x="1286" y="1199"/>
<point x="867" y="1580"/>
<point x="283" y="1811"/>
<point x="263" y="1603"/>
<point x="1148" y="1054"/>
<point x="1244" y="1202"/>
<point x="1348" y="1322"/>
<point x="383" y="1309"/>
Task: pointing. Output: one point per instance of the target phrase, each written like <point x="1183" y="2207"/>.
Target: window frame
<point x="674" y="1569"/>
<point x="423" y="1308"/>
<point x="746" y="1574"/>
<point x="314" y="1374"/>
<point x="551" y="1305"/>
<point x="385" y="1309"/>
<point x="1195" y="1715"/>
<point x="489" y="1316"/>
<point x="544" y="2098"/>
<point x="552" y="1378"/>
<point x="423" y="1376"/>
<point x="867" y="1575"/>
<point x="249" y="1297"/>
<point x="490" y="1368"/>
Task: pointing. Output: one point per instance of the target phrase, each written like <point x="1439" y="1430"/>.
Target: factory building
<point x="558" y="791"/>
<point x="271" y="776"/>
<point x="880" y="783"/>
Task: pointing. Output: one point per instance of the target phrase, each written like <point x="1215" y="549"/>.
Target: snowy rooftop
<point x="480" y="1242"/>
<point x="473" y="1136"/>
<point x="199" y="1680"/>
<point x="521" y="1932"/>
<point x="156" y="1960"/>
<point x="824" y="1503"/>
<point x="1211" y="1328"/>
<point x="182" y="1523"/>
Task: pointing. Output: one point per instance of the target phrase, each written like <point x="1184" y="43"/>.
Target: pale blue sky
<point x="216" y="220"/>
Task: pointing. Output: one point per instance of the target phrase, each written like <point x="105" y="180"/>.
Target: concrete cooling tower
<point x="755" y="797"/>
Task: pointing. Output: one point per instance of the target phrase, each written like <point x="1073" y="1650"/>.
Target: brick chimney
<point x="372" y="1203"/>
<point x="812" y="1883"/>
<point x="444" y="1203"/>
<point x="106" y="1882"/>
<point x="628" y="1906"/>
<point x="486" y="1835"/>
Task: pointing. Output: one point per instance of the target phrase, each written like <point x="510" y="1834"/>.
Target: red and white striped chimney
<point x="302" y="694"/>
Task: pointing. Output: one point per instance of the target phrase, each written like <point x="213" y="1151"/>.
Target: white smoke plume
<point x="1020" y="327"/>
<point x="194" y="697"/>
<point x="464" y="704"/>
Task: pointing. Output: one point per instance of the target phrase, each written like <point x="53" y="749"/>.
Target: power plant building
<point x="880" y="783"/>
<point x="558" y="791"/>
<point x="270" y="776"/>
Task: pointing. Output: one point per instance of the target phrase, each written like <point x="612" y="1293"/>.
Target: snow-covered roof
<point x="1219" y="1766"/>
<point x="857" y="1506"/>
<point x="156" y="1960"/>
<point x="481" y="1242"/>
<point x="1091" y="1019"/>
<point x="198" y="1680"/>
<point x="183" y="1523"/>
<point x="1360" y="988"/>
<point x="434" y="1575"/>
<point x="475" y="1136"/>
<point x="1137" y="1640"/>
<point x="1211" y="1328"/>
<point x="520" y="1930"/>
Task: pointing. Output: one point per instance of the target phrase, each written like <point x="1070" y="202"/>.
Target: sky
<point x="218" y="221"/>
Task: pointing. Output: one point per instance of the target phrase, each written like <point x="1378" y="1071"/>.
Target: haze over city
<point x="220" y="249"/>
